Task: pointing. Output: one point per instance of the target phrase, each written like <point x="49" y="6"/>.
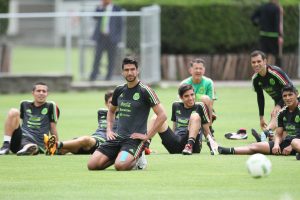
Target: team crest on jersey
<point x="136" y="96"/>
<point x="44" y="111"/>
<point x="259" y="83"/>
<point x="178" y="112"/>
<point x="201" y="90"/>
<point x="272" y="81"/>
<point x="284" y="118"/>
<point x="297" y="119"/>
<point x="28" y="111"/>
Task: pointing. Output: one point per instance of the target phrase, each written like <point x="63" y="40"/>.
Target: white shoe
<point x="213" y="145"/>
<point x="29" y="149"/>
<point x="141" y="163"/>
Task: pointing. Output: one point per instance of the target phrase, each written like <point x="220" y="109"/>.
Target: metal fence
<point x="60" y="43"/>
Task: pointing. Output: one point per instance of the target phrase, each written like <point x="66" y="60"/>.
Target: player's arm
<point x="53" y="130"/>
<point x="111" y="114"/>
<point x="160" y="119"/>
<point x="261" y="107"/>
<point x="277" y="139"/>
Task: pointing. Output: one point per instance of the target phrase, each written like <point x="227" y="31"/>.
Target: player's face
<point x="188" y="99"/>
<point x="289" y="98"/>
<point x="130" y="72"/>
<point x="40" y="94"/>
<point x="197" y="70"/>
<point x="258" y="63"/>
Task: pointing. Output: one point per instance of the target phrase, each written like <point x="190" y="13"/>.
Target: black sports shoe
<point x="5" y="148"/>
<point x="256" y="135"/>
<point x="298" y="156"/>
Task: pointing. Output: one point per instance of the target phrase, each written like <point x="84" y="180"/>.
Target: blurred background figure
<point x="269" y="18"/>
<point x="107" y="35"/>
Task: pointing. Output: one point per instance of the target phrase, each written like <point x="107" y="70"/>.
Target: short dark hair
<point x="258" y="52"/>
<point x="183" y="88"/>
<point x="107" y="95"/>
<point x="289" y="88"/>
<point x="130" y="60"/>
<point x="39" y="83"/>
<point x="197" y="60"/>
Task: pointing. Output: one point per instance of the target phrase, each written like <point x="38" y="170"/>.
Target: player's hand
<point x="287" y="150"/>
<point x="276" y="150"/>
<point x="139" y="136"/>
<point x="263" y="124"/>
<point x="110" y="135"/>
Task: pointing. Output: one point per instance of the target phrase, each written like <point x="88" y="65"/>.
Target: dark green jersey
<point x="181" y="115"/>
<point x="272" y="83"/>
<point x="134" y="106"/>
<point x="289" y="121"/>
<point x="36" y="120"/>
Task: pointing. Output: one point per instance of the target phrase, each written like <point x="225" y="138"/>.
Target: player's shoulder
<point x="207" y="79"/>
<point x="177" y="103"/>
<point x="200" y="104"/>
<point x="254" y="76"/>
<point x="146" y="88"/>
<point x="188" y="80"/>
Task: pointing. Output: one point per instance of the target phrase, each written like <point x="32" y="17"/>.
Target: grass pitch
<point x="200" y="176"/>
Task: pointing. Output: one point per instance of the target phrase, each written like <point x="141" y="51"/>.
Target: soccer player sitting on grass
<point x="270" y="79"/>
<point x="38" y="117"/>
<point x="88" y="144"/>
<point x="188" y="118"/>
<point x="203" y="86"/>
<point x="133" y="101"/>
<point x="288" y="129"/>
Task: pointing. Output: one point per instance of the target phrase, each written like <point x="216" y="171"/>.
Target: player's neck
<point x="38" y="104"/>
<point x="293" y="107"/>
<point x="196" y="80"/>
<point x="133" y="83"/>
<point x="263" y="71"/>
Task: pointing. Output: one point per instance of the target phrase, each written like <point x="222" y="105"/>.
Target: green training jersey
<point x="205" y="87"/>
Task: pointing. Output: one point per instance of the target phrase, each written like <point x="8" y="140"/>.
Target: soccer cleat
<point x="141" y="163"/>
<point x="50" y="144"/>
<point x="213" y="146"/>
<point x="5" y="148"/>
<point x="188" y="150"/>
<point x="298" y="156"/>
<point x="30" y="149"/>
<point x="256" y="135"/>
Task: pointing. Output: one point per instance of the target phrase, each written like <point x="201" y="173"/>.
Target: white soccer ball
<point x="258" y="165"/>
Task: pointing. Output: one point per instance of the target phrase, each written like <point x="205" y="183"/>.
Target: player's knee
<point x="295" y="143"/>
<point x="122" y="166"/>
<point x="13" y="113"/>
<point x="253" y="148"/>
<point x="195" y="117"/>
<point x="205" y="99"/>
<point x="92" y="165"/>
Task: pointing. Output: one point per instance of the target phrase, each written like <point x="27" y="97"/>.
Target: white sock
<point x="6" y="138"/>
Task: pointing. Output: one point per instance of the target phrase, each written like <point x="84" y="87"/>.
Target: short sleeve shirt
<point x="289" y="121"/>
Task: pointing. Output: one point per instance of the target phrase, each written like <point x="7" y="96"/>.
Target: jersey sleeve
<point x="173" y="117"/>
<point x="202" y="110"/>
<point x="259" y="96"/>
<point x="281" y="76"/>
<point x="54" y="112"/>
<point x="150" y="95"/>
<point x="211" y="90"/>
<point x="22" y="110"/>
<point x="280" y="119"/>
<point x="116" y="94"/>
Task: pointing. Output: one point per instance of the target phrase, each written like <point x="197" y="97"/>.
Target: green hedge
<point x="4" y="4"/>
<point x="216" y="28"/>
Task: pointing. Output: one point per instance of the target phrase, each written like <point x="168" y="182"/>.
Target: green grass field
<point x="199" y="176"/>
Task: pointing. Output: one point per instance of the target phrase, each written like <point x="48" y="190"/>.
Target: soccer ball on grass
<point x="258" y="165"/>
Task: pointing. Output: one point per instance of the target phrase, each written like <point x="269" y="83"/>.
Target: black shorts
<point x="16" y="140"/>
<point x="99" y="140"/>
<point x="286" y="142"/>
<point x="111" y="148"/>
<point x="176" y="143"/>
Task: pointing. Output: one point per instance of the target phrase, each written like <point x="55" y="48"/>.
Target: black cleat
<point x="5" y="148"/>
<point x="255" y="135"/>
<point x="298" y="156"/>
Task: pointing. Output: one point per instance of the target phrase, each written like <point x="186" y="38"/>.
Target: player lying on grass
<point x="38" y="117"/>
<point x="188" y="118"/>
<point x="286" y="139"/>
<point x="87" y="144"/>
<point x="270" y="79"/>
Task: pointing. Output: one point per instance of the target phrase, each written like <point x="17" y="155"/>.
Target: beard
<point x="130" y="78"/>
